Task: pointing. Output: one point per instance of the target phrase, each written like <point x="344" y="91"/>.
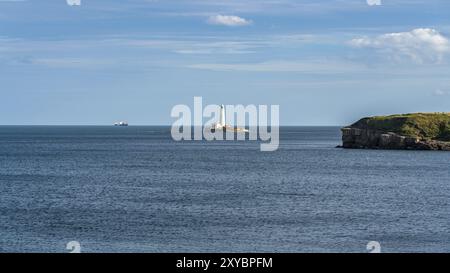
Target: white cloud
<point x="228" y="20"/>
<point x="73" y="2"/>
<point x="440" y="92"/>
<point x="315" y="67"/>
<point x="374" y="2"/>
<point x="420" y="45"/>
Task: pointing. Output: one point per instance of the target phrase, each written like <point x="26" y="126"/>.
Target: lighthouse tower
<point x="222" y="116"/>
<point x="220" y="124"/>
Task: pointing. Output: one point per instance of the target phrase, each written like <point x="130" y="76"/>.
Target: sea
<point x="135" y="189"/>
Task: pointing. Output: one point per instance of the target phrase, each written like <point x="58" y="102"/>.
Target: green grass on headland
<point x="429" y="126"/>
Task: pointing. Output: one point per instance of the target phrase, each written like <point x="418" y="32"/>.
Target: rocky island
<point x="419" y="131"/>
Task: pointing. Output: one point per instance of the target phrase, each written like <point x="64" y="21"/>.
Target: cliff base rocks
<point x="420" y="131"/>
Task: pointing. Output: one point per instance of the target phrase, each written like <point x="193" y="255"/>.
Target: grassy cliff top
<point x="435" y="126"/>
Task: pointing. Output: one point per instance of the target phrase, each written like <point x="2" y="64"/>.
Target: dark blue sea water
<point x="133" y="189"/>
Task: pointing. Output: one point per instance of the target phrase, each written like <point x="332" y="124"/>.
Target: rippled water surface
<point x="133" y="189"/>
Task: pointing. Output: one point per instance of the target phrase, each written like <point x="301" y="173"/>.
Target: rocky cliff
<point x="401" y="132"/>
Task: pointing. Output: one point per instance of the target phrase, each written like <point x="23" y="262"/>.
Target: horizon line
<point x="152" y="125"/>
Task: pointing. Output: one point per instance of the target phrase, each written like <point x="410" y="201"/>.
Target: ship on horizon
<point x="121" y="123"/>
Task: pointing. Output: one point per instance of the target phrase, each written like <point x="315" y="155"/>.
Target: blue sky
<point x="326" y="62"/>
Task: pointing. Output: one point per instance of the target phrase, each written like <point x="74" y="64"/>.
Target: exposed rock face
<point x="356" y="138"/>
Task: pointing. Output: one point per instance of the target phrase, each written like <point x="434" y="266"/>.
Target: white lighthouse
<point x="221" y="123"/>
<point x="222" y="116"/>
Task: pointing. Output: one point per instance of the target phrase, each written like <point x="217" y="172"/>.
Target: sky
<point x="325" y="62"/>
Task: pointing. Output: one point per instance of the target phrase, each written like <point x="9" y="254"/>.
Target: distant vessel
<point x="121" y="123"/>
<point x="222" y="126"/>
